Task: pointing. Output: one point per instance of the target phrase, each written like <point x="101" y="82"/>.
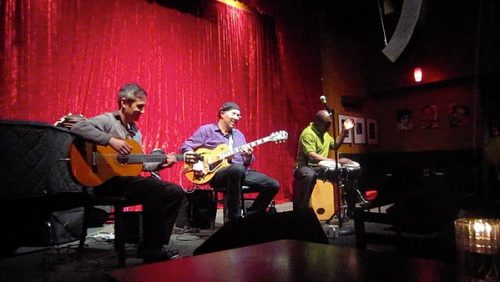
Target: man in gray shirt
<point x="160" y="200"/>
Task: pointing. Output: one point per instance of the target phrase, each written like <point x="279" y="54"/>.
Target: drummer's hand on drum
<point x="344" y="161"/>
<point x="349" y="164"/>
<point x="349" y="123"/>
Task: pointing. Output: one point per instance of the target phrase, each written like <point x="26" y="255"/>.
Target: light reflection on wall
<point x="235" y="4"/>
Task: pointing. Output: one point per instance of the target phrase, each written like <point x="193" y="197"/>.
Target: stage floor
<point x="63" y="263"/>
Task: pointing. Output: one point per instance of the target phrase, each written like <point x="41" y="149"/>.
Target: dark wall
<point x="452" y="40"/>
<point x="448" y="176"/>
<point x="455" y="43"/>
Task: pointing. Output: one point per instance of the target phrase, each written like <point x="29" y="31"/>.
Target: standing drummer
<point x="315" y="144"/>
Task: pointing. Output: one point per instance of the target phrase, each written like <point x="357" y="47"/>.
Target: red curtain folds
<point x="63" y="56"/>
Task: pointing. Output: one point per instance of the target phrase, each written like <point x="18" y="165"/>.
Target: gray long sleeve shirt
<point x="101" y="128"/>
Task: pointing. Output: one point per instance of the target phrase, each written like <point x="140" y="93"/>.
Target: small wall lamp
<point x="417" y="74"/>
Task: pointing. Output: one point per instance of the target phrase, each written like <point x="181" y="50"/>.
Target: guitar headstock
<point x="279" y="136"/>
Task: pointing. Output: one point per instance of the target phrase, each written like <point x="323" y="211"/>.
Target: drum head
<point x="330" y="164"/>
<point x="351" y="165"/>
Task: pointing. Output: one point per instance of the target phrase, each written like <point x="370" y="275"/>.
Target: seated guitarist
<point x="160" y="200"/>
<point x="238" y="173"/>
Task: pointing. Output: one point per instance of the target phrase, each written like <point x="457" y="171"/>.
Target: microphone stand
<point x="337" y="193"/>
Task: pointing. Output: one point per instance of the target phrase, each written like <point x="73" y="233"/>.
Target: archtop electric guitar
<point x="211" y="161"/>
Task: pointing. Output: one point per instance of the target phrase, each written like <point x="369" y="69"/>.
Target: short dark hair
<point x="131" y="91"/>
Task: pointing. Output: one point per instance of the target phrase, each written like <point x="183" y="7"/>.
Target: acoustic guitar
<point x="211" y="161"/>
<point x="92" y="164"/>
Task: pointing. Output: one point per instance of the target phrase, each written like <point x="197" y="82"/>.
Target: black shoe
<point x="159" y="255"/>
<point x="272" y="210"/>
<point x="251" y="212"/>
<point x="365" y="205"/>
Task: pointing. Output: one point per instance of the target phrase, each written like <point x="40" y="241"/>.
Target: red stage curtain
<point x="62" y="56"/>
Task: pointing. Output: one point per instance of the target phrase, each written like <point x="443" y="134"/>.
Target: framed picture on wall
<point x="429" y="117"/>
<point x="459" y="115"/>
<point x="372" y="131"/>
<point x="348" y="136"/>
<point x="359" y="131"/>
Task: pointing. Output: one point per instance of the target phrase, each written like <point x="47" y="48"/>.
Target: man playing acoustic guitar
<point x="237" y="173"/>
<point x="160" y="200"/>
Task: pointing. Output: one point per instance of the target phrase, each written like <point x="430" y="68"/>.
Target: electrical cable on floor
<point x="188" y="237"/>
<point x="186" y="234"/>
<point x="103" y="237"/>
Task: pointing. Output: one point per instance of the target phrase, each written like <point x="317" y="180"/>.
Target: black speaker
<point x="132" y="223"/>
<point x="198" y="211"/>
<point x="260" y="228"/>
<point x="348" y="101"/>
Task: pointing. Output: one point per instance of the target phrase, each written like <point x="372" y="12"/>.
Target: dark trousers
<point x="304" y="179"/>
<point x="160" y="202"/>
<point x="232" y="177"/>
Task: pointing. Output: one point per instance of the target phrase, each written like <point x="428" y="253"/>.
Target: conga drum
<point x="351" y="166"/>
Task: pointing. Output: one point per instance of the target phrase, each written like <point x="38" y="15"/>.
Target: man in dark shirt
<point x="238" y="173"/>
<point x="160" y="200"/>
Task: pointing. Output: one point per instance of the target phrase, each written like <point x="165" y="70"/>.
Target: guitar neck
<point x="148" y="158"/>
<point x="238" y="149"/>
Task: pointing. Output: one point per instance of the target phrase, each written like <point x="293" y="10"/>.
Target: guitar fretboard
<point x="143" y="158"/>
<point x="237" y="150"/>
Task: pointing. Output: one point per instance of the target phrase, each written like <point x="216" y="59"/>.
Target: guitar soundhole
<point x="320" y="211"/>
<point x="122" y="159"/>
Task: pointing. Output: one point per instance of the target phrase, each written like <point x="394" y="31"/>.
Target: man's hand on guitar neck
<point x="120" y="145"/>
<point x="191" y="157"/>
<point x="170" y="159"/>
<point x="246" y="149"/>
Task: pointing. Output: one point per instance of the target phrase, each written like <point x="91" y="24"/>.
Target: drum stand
<point x="350" y="196"/>
<point x="342" y="207"/>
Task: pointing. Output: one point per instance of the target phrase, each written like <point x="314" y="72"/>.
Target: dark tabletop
<point x="288" y="260"/>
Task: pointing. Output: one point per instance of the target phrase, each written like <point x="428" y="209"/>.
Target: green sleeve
<point x="308" y="143"/>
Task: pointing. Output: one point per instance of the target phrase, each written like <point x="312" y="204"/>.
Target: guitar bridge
<point x="94" y="161"/>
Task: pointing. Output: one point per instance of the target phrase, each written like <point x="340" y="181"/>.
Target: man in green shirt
<point x="315" y="143"/>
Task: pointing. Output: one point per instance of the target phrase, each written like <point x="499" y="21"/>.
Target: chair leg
<point x="215" y="200"/>
<point x="242" y="203"/>
<point x="272" y="206"/>
<point x="119" y="235"/>
<point x="359" y="228"/>
<point x="224" y="205"/>
<point x="225" y="217"/>
<point x="83" y="234"/>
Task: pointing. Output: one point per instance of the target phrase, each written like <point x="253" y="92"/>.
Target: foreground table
<point x="288" y="260"/>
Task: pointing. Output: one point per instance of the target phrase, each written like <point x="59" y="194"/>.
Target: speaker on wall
<point x="261" y="228"/>
<point x="349" y="101"/>
<point x="408" y="19"/>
